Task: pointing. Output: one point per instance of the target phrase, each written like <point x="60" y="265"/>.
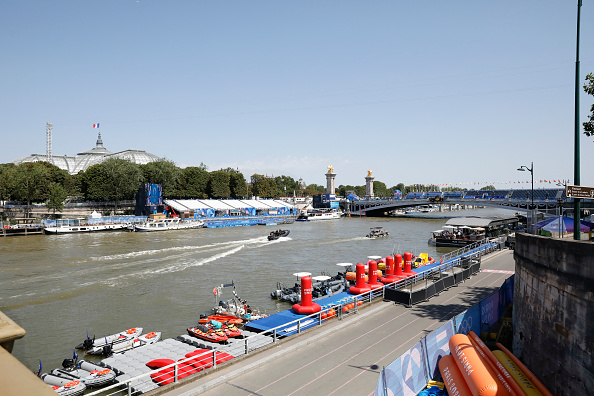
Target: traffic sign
<point x="579" y="192"/>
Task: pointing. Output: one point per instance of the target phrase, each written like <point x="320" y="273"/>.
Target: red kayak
<point x="208" y="334"/>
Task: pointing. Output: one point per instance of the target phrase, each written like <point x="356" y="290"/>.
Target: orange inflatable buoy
<point x="543" y="389"/>
<point x="475" y="374"/>
<point x="452" y="378"/>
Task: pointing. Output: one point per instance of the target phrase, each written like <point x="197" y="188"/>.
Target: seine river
<point x="59" y="287"/>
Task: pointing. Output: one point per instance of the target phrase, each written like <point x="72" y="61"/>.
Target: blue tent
<point x="552" y="225"/>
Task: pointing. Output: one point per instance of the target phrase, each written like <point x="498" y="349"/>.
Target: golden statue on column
<point x="330" y="169"/>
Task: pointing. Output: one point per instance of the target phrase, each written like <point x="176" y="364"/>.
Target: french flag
<point x="95" y="125"/>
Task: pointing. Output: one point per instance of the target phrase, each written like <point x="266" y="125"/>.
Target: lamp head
<point x="521" y="168"/>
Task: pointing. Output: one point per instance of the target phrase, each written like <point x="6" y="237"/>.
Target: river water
<point x="59" y="287"/>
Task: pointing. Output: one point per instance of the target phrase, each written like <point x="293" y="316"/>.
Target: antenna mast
<point x="48" y="141"/>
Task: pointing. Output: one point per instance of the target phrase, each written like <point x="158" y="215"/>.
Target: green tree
<point x="114" y="179"/>
<point x="342" y="190"/>
<point x="589" y="88"/>
<point x="56" y="198"/>
<point x="165" y="173"/>
<point x="380" y="189"/>
<point x="263" y="186"/>
<point x="360" y="191"/>
<point x="238" y="185"/>
<point x="313" y="189"/>
<point x="286" y="185"/>
<point x="218" y="184"/>
<point x="193" y="183"/>
<point x="488" y="188"/>
<point x="31" y="181"/>
<point x="6" y="181"/>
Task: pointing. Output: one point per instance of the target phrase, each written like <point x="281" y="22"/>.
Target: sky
<point x="435" y="92"/>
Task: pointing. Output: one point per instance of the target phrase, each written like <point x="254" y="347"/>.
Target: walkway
<point x="345" y="357"/>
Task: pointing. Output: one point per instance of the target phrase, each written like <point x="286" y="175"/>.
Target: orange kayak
<point x="222" y="318"/>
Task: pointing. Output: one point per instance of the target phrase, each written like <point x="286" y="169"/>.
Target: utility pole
<point x="576" y="155"/>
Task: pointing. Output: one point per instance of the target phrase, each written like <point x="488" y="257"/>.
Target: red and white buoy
<point x="391" y="268"/>
<point x="360" y="285"/>
<point x="408" y="264"/>
<point x="373" y="283"/>
<point x="307" y="306"/>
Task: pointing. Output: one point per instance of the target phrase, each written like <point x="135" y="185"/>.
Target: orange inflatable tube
<point x="475" y="374"/>
<point x="543" y="389"/>
<point x="503" y="387"/>
<point x="452" y="378"/>
<point x="527" y="386"/>
<point x="504" y="376"/>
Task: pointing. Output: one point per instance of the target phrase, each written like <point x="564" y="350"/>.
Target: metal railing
<point x="337" y="310"/>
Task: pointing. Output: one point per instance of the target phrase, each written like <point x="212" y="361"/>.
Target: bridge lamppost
<point x="531" y="170"/>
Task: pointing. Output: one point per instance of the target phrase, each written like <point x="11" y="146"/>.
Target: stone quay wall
<point x="553" y="313"/>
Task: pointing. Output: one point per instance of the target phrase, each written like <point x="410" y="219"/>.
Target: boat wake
<point x="178" y="249"/>
<point x="148" y="273"/>
<point x="73" y="289"/>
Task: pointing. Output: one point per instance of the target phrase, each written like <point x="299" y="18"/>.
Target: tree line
<point x="119" y="179"/>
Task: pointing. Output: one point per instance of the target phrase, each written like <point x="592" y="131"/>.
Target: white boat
<point x="64" y="387"/>
<point x="319" y="214"/>
<point x="88" y="373"/>
<point x="123" y="345"/>
<point x="73" y="226"/>
<point x="377" y="232"/>
<point x="170" y="223"/>
<point x="106" y="340"/>
<point x="235" y="306"/>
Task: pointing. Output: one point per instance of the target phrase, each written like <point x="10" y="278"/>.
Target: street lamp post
<point x="531" y="170"/>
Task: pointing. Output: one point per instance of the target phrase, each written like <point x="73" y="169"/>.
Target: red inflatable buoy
<point x="307" y="306"/>
<point x="408" y="264"/>
<point x="360" y="285"/>
<point x="373" y="283"/>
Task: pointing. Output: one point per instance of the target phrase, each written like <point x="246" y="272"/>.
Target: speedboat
<point x="123" y="345"/>
<point x="88" y="373"/>
<point x="102" y="341"/>
<point x="170" y="223"/>
<point x="235" y="306"/>
<point x="422" y="259"/>
<point x="208" y="334"/>
<point x="377" y="232"/>
<point x="230" y="329"/>
<point x="278" y="234"/>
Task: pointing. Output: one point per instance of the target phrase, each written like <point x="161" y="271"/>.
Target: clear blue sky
<point x="418" y="92"/>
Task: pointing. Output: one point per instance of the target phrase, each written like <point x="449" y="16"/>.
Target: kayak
<point x="221" y="318"/>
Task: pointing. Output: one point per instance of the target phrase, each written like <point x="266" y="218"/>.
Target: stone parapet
<point x="553" y="311"/>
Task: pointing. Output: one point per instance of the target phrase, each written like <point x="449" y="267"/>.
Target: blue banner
<point x="469" y="320"/>
<point x="437" y="346"/>
<point x="489" y="310"/>
<point x="406" y="375"/>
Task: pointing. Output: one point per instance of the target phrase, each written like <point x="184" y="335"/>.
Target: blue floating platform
<point x="288" y="316"/>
